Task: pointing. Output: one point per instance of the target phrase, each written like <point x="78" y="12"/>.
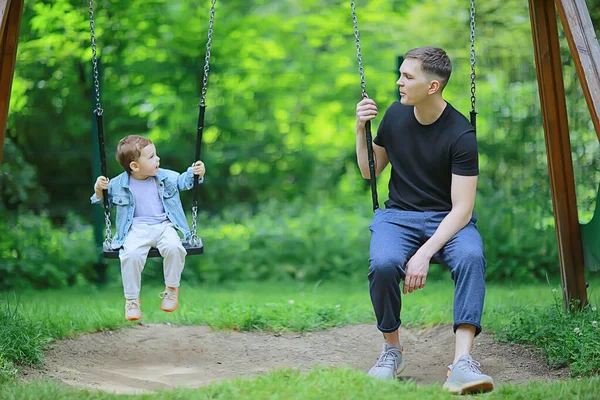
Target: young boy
<point x="148" y="213"/>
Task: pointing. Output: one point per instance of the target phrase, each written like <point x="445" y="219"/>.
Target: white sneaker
<point x="466" y="377"/>
<point x="133" y="311"/>
<point x="390" y="363"/>
<point x="170" y="299"/>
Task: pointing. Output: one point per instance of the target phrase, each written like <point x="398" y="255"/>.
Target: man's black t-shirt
<point x="424" y="157"/>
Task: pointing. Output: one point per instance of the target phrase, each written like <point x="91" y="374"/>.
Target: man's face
<point x="148" y="163"/>
<point x="413" y="84"/>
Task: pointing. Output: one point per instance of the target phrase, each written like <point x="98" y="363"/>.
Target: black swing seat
<point x="153" y="253"/>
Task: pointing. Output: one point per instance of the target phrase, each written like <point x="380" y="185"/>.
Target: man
<point x="429" y="214"/>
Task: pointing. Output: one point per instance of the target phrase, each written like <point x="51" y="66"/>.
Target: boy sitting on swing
<point x="148" y="213"/>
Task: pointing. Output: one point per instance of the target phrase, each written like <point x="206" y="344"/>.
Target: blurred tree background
<point x="282" y="198"/>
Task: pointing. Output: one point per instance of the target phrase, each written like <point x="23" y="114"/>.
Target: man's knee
<point x="470" y="258"/>
<point x="385" y="267"/>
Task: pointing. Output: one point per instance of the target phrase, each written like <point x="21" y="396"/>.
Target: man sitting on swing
<point x="429" y="214"/>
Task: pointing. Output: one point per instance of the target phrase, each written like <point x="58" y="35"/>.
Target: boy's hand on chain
<point x="198" y="169"/>
<point x="100" y="185"/>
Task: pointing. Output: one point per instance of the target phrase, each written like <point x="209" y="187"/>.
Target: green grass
<point x="266" y="306"/>
<point x="29" y="320"/>
<point x="567" y="339"/>
<point x="319" y="383"/>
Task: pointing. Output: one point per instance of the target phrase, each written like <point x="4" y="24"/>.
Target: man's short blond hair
<point x="129" y="149"/>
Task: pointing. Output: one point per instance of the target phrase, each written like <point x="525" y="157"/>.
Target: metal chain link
<point x="107" y="232"/>
<point x="472" y="38"/>
<point x="98" y="110"/>
<point x="361" y="70"/>
<point x="207" y="57"/>
<point x="194" y="239"/>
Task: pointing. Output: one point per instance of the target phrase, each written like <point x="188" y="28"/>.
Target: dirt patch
<point x="149" y="357"/>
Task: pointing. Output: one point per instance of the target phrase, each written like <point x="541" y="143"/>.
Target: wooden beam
<point x="585" y="49"/>
<point x="558" y="148"/>
<point x="4" y="5"/>
<point x="10" y="12"/>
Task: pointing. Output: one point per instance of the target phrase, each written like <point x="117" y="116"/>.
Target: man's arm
<point x="379" y="155"/>
<point x="366" y="110"/>
<point x="464" y="189"/>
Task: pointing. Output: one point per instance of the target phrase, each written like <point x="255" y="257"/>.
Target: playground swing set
<point x="578" y="244"/>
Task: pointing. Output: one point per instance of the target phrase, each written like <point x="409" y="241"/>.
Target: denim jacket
<point x="169" y="184"/>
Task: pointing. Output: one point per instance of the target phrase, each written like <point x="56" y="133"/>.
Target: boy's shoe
<point x="389" y="364"/>
<point x="133" y="312"/>
<point x="170" y="299"/>
<point x="465" y="377"/>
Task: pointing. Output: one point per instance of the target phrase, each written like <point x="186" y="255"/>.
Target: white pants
<point x="140" y="238"/>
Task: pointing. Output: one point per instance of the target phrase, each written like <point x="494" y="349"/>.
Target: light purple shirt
<point x="149" y="208"/>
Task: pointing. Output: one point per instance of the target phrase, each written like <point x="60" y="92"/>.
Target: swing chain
<point x="194" y="239"/>
<point x="361" y="70"/>
<point x="472" y="39"/>
<point x="98" y="110"/>
<point x="107" y="232"/>
<point x="207" y="57"/>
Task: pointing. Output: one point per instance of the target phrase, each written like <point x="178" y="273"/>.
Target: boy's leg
<point x="394" y="239"/>
<point x="133" y="258"/>
<point x="173" y="253"/>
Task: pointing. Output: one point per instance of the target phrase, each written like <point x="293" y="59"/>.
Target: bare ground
<point x="149" y="357"/>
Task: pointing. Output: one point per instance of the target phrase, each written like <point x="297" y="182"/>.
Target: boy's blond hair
<point x="129" y="149"/>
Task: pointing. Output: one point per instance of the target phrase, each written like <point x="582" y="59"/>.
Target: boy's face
<point x="147" y="165"/>
<point x="414" y="84"/>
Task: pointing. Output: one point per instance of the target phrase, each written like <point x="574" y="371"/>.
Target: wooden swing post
<point x="585" y="50"/>
<point x="10" y="25"/>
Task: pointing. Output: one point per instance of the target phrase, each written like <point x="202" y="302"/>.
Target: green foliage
<point x="22" y="341"/>
<point x="7" y="370"/>
<point x="265" y="137"/>
<point x="518" y="244"/>
<point x="19" y="181"/>
<point x="302" y="242"/>
<point x="567" y="339"/>
<point x="284" y="241"/>
<point x="36" y="254"/>
<point x="280" y="123"/>
<point x="325" y="242"/>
